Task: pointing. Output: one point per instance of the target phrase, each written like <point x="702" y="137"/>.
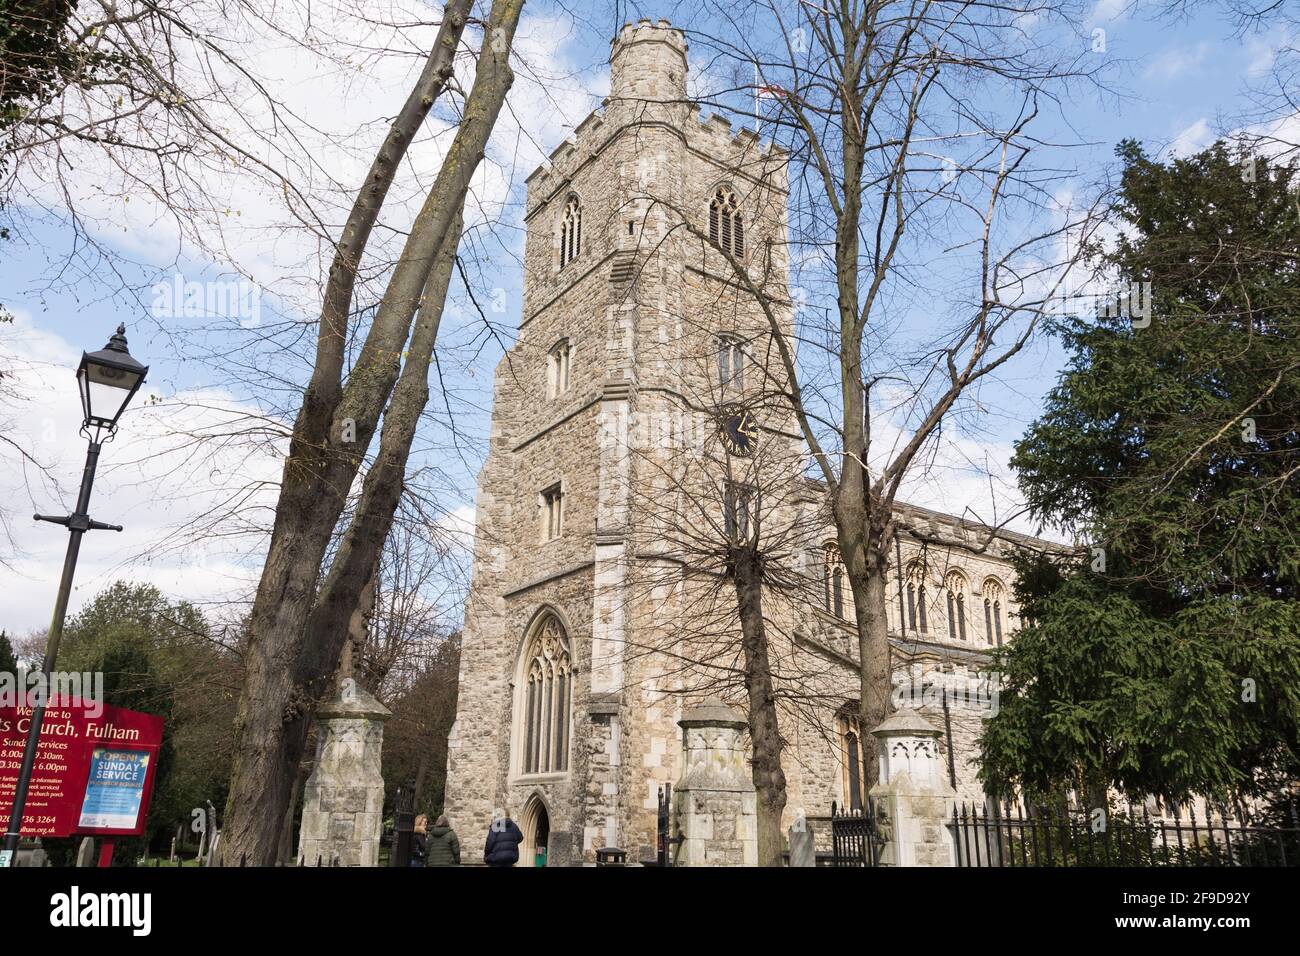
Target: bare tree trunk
<point x="352" y="661"/>
<point x="296" y="633"/>
<point x="764" y="733"/>
<point x="326" y="381"/>
<point x="870" y="603"/>
<point x="421" y="771"/>
<point x="284" y="856"/>
<point x="357" y="562"/>
<point x="308" y="676"/>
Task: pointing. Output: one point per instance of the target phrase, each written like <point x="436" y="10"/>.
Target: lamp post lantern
<point x="108" y="380"/>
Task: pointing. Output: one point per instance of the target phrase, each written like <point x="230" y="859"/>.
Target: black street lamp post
<point x="108" y="380"/>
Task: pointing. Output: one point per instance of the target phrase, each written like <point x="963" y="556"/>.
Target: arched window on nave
<point x="995" y="603"/>
<point x="954" y="586"/>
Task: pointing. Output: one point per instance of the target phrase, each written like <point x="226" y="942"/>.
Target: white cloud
<point x="1261" y="55"/>
<point x="1176" y="61"/>
<point x="1192" y="139"/>
<point x="1262" y="49"/>
<point x="1108" y="11"/>
<point x="1276" y="138"/>
<point x="1027" y="22"/>
<point x="151" y="479"/>
<point x="962" y="471"/>
<point x="458" y="526"/>
<point x="337" y="90"/>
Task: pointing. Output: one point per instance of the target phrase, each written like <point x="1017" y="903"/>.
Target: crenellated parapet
<point x="647" y="64"/>
<point x="648" y="90"/>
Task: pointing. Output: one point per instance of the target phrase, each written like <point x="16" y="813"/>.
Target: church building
<point x="636" y="422"/>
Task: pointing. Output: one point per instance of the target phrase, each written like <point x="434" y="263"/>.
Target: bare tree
<point x="299" y="618"/>
<point x="727" y="524"/>
<point x="908" y="126"/>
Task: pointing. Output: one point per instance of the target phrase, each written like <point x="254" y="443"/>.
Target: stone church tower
<point x="636" y="347"/>
<point x="557" y="720"/>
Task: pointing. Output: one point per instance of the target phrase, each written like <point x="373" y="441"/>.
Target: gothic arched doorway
<point x="537" y="834"/>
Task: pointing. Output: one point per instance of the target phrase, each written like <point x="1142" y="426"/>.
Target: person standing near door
<point x="442" y="847"/>
<point x="503" y="839"/>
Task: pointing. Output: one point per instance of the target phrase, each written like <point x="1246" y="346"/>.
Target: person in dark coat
<point x="503" y="840"/>
<point x="442" y="847"/>
<point x="419" y="840"/>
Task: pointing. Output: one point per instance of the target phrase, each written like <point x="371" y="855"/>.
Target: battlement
<point x="646" y="30"/>
<point x="714" y="133"/>
<point x="648" y="88"/>
<point x="647" y="65"/>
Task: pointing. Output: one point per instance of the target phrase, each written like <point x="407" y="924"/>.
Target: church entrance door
<point x="537" y="834"/>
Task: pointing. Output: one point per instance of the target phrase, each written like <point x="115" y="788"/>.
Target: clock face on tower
<point x="738" y="430"/>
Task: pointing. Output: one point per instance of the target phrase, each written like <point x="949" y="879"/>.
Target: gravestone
<point x="343" y="800"/>
<point x="802" y="850"/>
<point x="31" y="853"/>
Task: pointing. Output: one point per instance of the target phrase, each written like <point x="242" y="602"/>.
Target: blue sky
<point x="1176" y="82"/>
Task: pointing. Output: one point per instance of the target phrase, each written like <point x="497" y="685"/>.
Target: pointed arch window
<point x="557" y="369"/>
<point x="850" y="760"/>
<point x="731" y="362"/>
<point x="994" y="601"/>
<point x="955" y="587"/>
<point x="725" y="227"/>
<point x="544" y="700"/>
<point x="570" y="232"/>
<point x="834" y="581"/>
<point x="917" y="600"/>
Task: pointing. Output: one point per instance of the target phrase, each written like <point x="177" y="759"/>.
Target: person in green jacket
<point x="443" y="845"/>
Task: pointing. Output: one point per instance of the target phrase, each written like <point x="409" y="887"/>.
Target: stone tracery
<point x="545" y="699"/>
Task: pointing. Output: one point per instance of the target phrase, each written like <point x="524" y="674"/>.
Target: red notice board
<point x="94" y="770"/>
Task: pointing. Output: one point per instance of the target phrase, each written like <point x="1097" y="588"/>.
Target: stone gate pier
<point x="913" y="801"/>
<point x="343" y="800"/>
<point x="715" y="810"/>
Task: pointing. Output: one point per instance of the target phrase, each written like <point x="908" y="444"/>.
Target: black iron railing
<point x="856" y="839"/>
<point x="1016" y="835"/>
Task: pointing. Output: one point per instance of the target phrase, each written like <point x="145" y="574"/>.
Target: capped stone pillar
<point x="715" y="810"/>
<point x="913" y="802"/>
<point x="343" y="800"/>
